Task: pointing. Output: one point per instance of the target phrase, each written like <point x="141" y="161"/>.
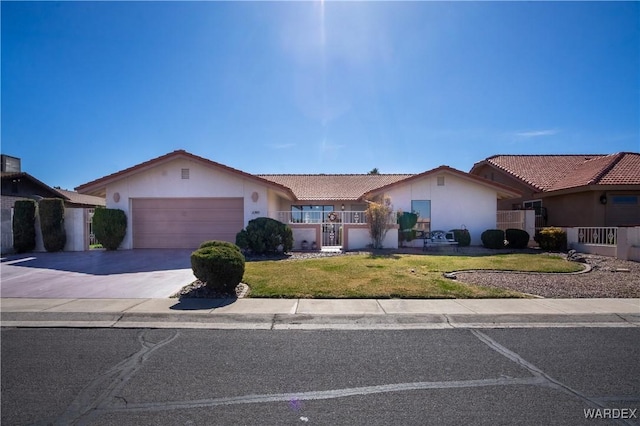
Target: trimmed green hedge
<point x="493" y="238"/>
<point x="51" y="212"/>
<point x="24" y="226"/>
<point x="110" y="227"/>
<point x="552" y="239"/>
<point x="265" y="235"/>
<point x="220" y="267"/>
<point x="517" y="238"/>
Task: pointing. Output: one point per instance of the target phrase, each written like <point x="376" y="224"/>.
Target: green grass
<point x="371" y="276"/>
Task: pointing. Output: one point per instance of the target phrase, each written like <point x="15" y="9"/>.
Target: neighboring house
<point x="19" y="185"/>
<point x="180" y="199"/>
<point x="570" y="190"/>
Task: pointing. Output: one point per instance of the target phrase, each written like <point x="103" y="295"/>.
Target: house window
<point x="310" y="213"/>
<point x="440" y="180"/>
<point x="628" y="200"/>
<point x="532" y="205"/>
<point x="423" y="209"/>
<point x="185" y="173"/>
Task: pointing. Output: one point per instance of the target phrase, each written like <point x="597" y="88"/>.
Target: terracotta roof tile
<point x="626" y="171"/>
<point x="83" y="199"/>
<point x="555" y="172"/>
<point x="333" y="187"/>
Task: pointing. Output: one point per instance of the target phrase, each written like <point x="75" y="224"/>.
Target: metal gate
<point x="332" y="230"/>
<point x="90" y="237"/>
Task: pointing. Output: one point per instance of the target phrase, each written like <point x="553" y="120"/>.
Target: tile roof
<point x="333" y="187"/>
<point x="83" y="199"/>
<point x="98" y="185"/>
<point x="556" y="172"/>
<point x="24" y="175"/>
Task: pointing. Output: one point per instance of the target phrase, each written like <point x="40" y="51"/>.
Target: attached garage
<point x="185" y="222"/>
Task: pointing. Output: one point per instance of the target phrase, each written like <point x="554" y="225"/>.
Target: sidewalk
<point x="319" y="313"/>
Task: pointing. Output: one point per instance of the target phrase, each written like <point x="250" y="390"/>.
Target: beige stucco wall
<point x="165" y="181"/>
<point x="458" y="203"/>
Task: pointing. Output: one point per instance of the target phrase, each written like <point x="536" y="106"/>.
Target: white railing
<point x="511" y="219"/>
<point x="607" y="236"/>
<point x="349" y="217"/>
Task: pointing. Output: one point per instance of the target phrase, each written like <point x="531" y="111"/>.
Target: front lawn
<point x="385" y="276"/>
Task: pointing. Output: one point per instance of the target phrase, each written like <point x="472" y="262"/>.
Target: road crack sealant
<point x="100" y="396"/>
<point x="103" y="390"/>
<point x="546" y="380"/>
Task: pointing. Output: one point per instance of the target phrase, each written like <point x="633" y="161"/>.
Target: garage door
<point x="185" y="222"/>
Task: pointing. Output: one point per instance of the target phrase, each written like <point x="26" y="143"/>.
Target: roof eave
<point x="98" y="186"/>
<point x="587" y="188"/>
<point x="502" y="191"/>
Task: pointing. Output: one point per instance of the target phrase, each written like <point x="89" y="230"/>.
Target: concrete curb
<point x="312" y="322"/>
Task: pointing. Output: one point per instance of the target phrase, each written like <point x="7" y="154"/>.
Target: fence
<point x="514" y="219"/>
<point x="517" y="219"/>
<point x="607" y="236"/>
<point x="353" y="217"/>
<point x="620" y="242"/>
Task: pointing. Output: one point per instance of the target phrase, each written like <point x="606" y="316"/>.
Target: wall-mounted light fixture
<point x="603" y="199"/>
<point x="342" y="207"/>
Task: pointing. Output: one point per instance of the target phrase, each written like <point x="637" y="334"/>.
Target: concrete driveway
<point x="96" y="274"/>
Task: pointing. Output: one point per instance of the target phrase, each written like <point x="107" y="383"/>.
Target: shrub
<point x="110" y="227"/>
<point x="552" y="239"/>
<point x="378" y="221"/>
<point x="462" y="236"/>
<point x="220" y="267"/>
<point x="517" y="238"/>
<point x="24" y="226"/>
<point x="265" y="235"/>
<point x="407" y="221"/>
<point x="218" y="243"/>
<point x="51" y="212"/>
<point x="493" y="238"/>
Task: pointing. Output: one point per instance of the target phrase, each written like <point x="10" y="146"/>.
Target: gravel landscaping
<point x="609" y="277"/>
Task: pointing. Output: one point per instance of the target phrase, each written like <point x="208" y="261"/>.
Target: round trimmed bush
<point x="493" y="238"/>
<point x="552" y="238"/>
<point x="462" y="236"/>
<point x="218" y="243"/>
<point x="265" y="235"/>
<point x="517" y="238"/>
<point x="220" y="267"/>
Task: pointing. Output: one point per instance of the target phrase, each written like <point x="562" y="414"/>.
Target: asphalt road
<point x="235" y="377"/>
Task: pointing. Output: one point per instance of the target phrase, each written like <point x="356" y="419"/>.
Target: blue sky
<point x="90" y="88"/>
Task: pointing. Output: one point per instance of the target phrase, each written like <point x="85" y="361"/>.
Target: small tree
<point x="51" y="212"/>
<point x="24" y="226"/>
<point x="110" y="227"/>
<point x="378" y="219"/>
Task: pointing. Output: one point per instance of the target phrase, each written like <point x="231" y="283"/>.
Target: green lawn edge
<point x="406" y="276"/>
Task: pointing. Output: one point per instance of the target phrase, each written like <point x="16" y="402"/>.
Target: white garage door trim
<point x="185" y="222"/>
